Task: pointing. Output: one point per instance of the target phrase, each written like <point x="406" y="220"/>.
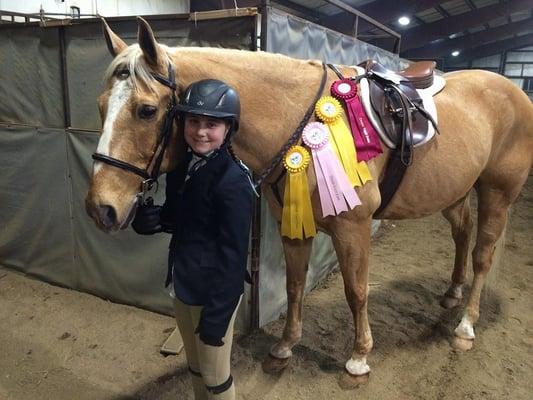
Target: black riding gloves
<point x="147" y="219"/>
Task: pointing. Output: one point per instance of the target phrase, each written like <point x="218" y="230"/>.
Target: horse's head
<point x="134" y="107"/>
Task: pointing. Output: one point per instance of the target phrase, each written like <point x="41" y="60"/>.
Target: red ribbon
<point x="365" y="136"/>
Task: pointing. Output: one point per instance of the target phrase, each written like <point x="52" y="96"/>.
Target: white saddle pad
<point x="425" y="94"/>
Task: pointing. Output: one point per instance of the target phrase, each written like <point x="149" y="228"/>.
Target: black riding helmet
<point x="212" y="98"/>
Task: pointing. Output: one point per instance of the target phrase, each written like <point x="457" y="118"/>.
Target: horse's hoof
<point x="462" y="344"/>
<point x="274" y="365"/>
<point x="450" y="302"/>
<point x="348" y="381"/>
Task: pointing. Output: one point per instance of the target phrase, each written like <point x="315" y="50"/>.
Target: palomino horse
<point x="485" y="143"/>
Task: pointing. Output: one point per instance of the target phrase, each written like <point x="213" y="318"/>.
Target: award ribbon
<point x="365" y="136"/>
<point x="329" y="111"/>
<point x="336" y="192"/>
<point x="297" y="219"/>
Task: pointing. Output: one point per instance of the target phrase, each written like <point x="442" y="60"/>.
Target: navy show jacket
<point x="210" y="215"/>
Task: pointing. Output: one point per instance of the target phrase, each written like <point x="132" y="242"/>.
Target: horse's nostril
<point x="108" y="216"/>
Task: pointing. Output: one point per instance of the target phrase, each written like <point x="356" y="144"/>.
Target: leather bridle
<point x="148" y="174"/>
<point x="150" y="178"/>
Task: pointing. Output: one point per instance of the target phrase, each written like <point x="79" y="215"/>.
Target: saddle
<point x="400" y="109"/>
<point x="394" y="98"/>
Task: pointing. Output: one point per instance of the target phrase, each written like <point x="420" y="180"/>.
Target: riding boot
<point x="199" y="389"/>
<point x="228" y="394"/>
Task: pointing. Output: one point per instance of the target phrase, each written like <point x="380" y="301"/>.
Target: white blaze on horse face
<point x="120" y="93"/>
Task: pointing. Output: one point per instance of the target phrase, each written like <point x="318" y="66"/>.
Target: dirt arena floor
<point x="58" y="344"/>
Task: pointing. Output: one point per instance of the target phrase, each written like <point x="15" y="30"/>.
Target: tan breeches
<point x="212" y="362"/>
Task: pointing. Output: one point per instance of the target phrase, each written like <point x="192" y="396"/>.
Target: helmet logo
<point x="200" y="103"/>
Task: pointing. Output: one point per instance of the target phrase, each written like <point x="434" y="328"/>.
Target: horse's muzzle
<point x="105" y="216"/>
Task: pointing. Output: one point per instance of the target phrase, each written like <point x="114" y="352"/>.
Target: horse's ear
<point x="147" y="42"/>
<point x="114" y="43"/>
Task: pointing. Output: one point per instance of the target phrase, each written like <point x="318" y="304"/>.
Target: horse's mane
<point x="132" y="60"/>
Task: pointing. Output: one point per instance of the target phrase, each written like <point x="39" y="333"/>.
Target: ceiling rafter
<point x="396" y="9"/>
<point x="494" y="48"/>
<point x="462" y="43"/>
<point x="420" y="35"/>
<point x="375" y="10"/>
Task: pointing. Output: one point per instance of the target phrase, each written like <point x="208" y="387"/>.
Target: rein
<point x="150" y="177"/>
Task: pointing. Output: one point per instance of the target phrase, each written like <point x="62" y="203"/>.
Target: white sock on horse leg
<point x="465" y="329"/>
<point x="357" y="366"/>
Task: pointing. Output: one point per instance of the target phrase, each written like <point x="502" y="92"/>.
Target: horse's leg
<point x="493" y="204"/>
<point x="352" y="245"/>
<point x="460" y="219"/>
<point x="297" y="253"/>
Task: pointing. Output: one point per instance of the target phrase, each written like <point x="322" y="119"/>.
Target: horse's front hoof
<point x="349" y="381"/>
<point x="450" y="302"/>
<point x="274" y="365"/>
<point x="462" y="344"/>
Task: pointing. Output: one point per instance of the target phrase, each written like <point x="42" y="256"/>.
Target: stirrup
<point x="222" y="387"/>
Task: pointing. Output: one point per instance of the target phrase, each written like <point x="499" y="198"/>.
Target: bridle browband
<point x="150" y="177"/>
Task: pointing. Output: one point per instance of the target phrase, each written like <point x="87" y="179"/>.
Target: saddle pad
<point x="425" y="94"/>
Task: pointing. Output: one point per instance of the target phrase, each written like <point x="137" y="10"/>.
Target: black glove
<point x="147" y="219"/>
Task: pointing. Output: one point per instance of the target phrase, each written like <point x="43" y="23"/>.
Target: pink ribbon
<point x="365" y="136"/>
<point x="335" y="191"/>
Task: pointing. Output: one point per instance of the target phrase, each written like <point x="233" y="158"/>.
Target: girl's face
<point x="204" y="134"/>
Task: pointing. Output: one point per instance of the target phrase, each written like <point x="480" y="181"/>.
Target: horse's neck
<point x="275" y="93"/>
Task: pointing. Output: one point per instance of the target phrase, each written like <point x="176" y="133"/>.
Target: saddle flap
<point x="389" y="107"/>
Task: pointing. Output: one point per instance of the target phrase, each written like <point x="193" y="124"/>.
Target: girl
<point x="208" y="209"/>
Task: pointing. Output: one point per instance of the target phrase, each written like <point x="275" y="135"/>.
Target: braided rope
<point x="296" y="134"/>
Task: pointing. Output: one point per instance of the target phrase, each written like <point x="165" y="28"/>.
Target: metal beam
<point x="395" y="9"/>
<point x="469" y="41"/>
<point x="492" y="48"/>
<point x="299" y="10"/>
<point x="345" y="7"/>
<point x="420" y="35"/>
<point x="208" y="5"/>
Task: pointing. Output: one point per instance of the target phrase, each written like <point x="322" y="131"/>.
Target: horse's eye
<point x="146" y="111"/>
<point x="122" y="74"/>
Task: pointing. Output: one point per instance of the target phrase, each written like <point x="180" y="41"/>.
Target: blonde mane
<point x="132" y="59"/>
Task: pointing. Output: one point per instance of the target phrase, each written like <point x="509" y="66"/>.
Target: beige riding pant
<point x="212" y="362"/>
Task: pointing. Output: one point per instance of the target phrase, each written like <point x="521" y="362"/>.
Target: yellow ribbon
<point x="329" y="110"/>
<point x="297" y="219"/>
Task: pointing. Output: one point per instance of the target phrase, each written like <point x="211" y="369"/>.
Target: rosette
<point x="297" y="219"/>
<point x="365" y="136"/>
<point x="329" y="110"/>
<point x="335" y="191"/>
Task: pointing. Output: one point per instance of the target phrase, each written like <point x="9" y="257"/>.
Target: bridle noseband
<point x="150" y="177"/>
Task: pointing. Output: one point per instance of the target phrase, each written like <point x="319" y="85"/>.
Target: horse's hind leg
<point x="493" y="205"/>
<point x="352" y="245"/>
<point x="297" y="253"/>
<point x="460" y="220"/>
